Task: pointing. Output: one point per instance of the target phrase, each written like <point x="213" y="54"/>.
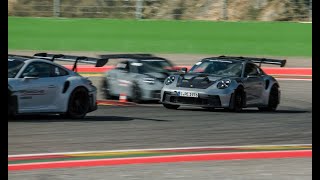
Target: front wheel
<point x="238" y="101"/>
<point x="136" y="93"/>
<point x="273" y="99"/>
<point x="105" y="89"/>
<point x="12" y="106"/>
<point x="170" y="106"/>
<point x="78" y="105"/>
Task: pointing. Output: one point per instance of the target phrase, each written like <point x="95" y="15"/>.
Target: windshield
<point x="14" y="67"/>
<point x="218" y="67"/>
<point x="155" y="65"/>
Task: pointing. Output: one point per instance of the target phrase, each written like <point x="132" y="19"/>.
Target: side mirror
<point x="31" y="75"/>
<point x="184" y="70"/>
<point x="252" y="76"/>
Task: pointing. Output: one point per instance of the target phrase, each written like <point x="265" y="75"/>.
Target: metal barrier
<point x="264" y="10"/>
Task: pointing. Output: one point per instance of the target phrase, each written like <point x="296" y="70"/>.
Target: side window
<point x="123" y="66"/>
<point x="57" y="71"/>
<point x="37" y="69"/>
<point x="251" y="69"/>
<point x="135" y="66"/>
<point x="43" y="70"/>
<point x="261" y="72"/>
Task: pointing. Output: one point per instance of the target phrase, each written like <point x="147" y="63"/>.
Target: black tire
<point x="238" y="99"/>
<point x="171" y="106"/>
<point x="11" y="106"/>
<point x="210" y="108"/>
<point x="136" y="93"/>
<point x="105" y="89"/>
<point x="273" y="99"/>
<point x="78" y="105"/>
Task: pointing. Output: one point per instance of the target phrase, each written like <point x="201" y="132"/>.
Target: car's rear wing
<point x="282" y="63"/>
<point x="12" y="56"/>
<point x="130" y="56"/>
<point x="98" y="62"/>
<point x="119" y="56"/>
<point x="133" y="56"/>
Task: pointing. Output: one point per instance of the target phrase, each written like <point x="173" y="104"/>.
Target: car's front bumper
<point x="93" y="101"/>
<point x="221" y="100"/>
<point x="150" y="95"/>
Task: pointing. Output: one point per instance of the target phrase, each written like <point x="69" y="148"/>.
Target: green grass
<point x="192" y="37"/>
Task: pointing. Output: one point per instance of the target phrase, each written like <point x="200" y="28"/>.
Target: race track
<point x="152" y="126"/>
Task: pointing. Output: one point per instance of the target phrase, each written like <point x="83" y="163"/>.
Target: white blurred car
<point x="139" y="76"/>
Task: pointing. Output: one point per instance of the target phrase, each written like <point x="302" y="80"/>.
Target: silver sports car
<point x="39" y="85"/>
<point x="224" y="82"/>
<point x="139" y="76"/>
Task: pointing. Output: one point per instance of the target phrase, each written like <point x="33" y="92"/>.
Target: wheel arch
<point x="71" y="90"/>
<point x="244" y="97"/>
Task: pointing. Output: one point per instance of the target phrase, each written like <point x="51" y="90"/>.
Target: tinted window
<point x="122" y="66"/>
<point x="14" y="67"/>
<point x="43" y="70"/>
<point x="251" y="69"/>
<point x="57" y="71"/>
<point x="218" y="68"/>
<point x="154" y="65"/>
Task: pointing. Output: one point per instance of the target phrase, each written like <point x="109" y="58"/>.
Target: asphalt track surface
<point x="152" y="126"/>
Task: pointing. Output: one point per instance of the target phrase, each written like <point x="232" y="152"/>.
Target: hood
<point x="200" y="81"/>
<point x="159" y="76"/>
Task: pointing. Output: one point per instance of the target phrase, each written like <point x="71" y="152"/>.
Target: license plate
<point x="187" y="94"/>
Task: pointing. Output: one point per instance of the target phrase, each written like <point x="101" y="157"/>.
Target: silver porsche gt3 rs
<point x="139" y="76"/>
<point x="224" y="82"/>
<point x="39" y="85"/>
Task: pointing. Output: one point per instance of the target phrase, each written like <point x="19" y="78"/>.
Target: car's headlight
<point x="224" y="84"/>
<point x="149" y="80"/>
<point x="169" y="80"/>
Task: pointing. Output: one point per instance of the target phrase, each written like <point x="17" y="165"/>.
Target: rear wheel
<point x="78" y="105"/>
<point x="273" y="99"/>
<point x="171" y="106"/>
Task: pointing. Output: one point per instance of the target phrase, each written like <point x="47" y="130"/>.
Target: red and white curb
<point x="299" y="151"/>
